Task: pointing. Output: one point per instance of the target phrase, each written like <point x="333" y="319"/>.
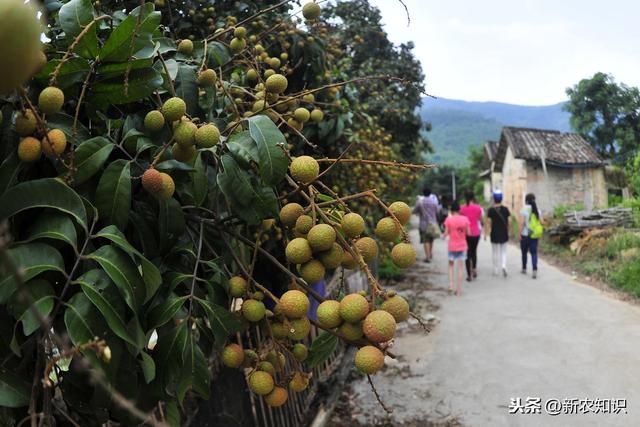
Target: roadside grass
<point x="627" y="277"/>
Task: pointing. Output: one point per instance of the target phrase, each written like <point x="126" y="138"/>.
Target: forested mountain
<point x="457" y="125"/>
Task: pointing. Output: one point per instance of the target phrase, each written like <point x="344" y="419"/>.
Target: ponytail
<point x="530" y="199"/>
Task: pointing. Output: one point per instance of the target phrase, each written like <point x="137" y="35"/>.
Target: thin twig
<point x="386" y="409"/>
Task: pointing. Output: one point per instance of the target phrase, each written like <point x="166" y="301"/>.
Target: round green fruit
<point x="185" y="47"/>
<point x="294" y="304"/>
<point x="369" y="359"/>
<point x="302" y="115"/>
<point x="290" y="213"/>
<point x="51" y="100"/>
<point x="276" y="83"/>
<point x="312" y="271"/>
<point x="299" y="329"/>
<point x="300" y="352"/>
<point x="304" y="223"/>
<point x="298" y="251"/>
<point x="387" y="229"/>
<point x="182" y="153"/>
<point x="329" y="314"/>
<point x="402" y="211"/>
<point x="207" y="136"/>
<point x="29" y="149"/>
<point x="403" y="255"/>
<point x="253" y="310"/>
<point x="368" y="249"/>
<point x="207" y="78"/>
<point x="299" y="382"/>
<point x="154" y="121"/>
<point x="321" y="237"/>
<point x="174" y="109"/>
<point x="26" y="123"/>
<point x="379" y="326"/>
<point x="237" y="45"/>
<point x="397" y="306"/>
<point x="354" y="308"/>
<point x="304" y="169"/>
<point x="232" y="356"/>
<point x="261" y="383"/>
<point x="184" y="134"/>
<point x="311" y="11"/>
<point x="317" y="115"/>
<point x="237" y="286"/>
<point x="351" y="331"/>
<point x="333" y="257"/>
<point x="352" y="224"/>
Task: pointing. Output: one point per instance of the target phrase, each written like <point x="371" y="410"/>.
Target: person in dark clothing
<point x="499" y="220"/>
<point x="474" y="213"/>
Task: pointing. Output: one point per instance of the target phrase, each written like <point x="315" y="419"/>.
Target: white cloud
<point x="524" y="52"/>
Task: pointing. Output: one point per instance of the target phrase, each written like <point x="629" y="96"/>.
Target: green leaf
<point x="141" y="84"/>
<point x="41" y="295"/>
<point x="169" y="352"/>
<point x="223" y="323"/>
<point x="218" y="54"/>
<point x="123" y="272"/>
<point x="106" y="71"/>
<point x="165" y="311"/>
<point x="172" y="414"/>
<point x="14" y="391"/>
<point x="187" y="88"/>
<point x="148" y="367"/>
<point x="9" y="170"/>
<point x="90" y="156"/>
<point x="118" y="47"/>
<point x="54" y="225"/>
<point x="321" y="348"/>
<point x="72" y="71"/>
<point x="74" y="16"/>
<point x="243" y="148"/>
<point x="150" y="272"/>
<point x="95" y="285"/>
<point x="199" y="180"/>
<point x="65" y="123"/>
<point x="82" y="320"/>
<point x="169" y="165"/>
<point x="171" y="223"/>
<point x="113" y="195"/>
<point x="194" y="371"/>
<point x="43" y="193"/>
<point x="33" y="259"/>
<point x="271" y="158"/>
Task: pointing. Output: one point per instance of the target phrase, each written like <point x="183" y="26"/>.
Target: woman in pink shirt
<point x="457" y="228"/>
<point x="474" y="212"/>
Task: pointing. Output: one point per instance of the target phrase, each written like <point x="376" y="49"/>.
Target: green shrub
<point x="634" y="204"/>
<point x="388" y="270"/>
<point x="620" y="242"/>
<point x="560" y="210"/>
<point x="627" y="277"/>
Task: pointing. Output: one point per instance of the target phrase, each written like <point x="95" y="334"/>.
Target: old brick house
<point x="490" y="177"/>
<point x="560" y="168"/>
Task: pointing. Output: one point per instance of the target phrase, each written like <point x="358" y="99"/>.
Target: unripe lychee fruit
<point x="154" y="121"/>
<point x="299" y="329"/>
<point x="294" y="304"/>
<point x="184" y="154"/>
<point x="152" y="181"/>
<point x="397" y="306"/>
<point x="328" y="314"/>
<point x="303" y="224"/>
<point x="237" y="45"/>
<point x="403" y="255"/>
<point x="207" y="135"/>
<point x="304" y="169"/>
<point x="402" y="211"/>
<point x="369" y="359"/>
<point x="321" y="237"/>
<point x="351" y="331"/>
<point x="311" y="11"/>
<point x="240" y="32"/>
<point x="253" y="310"/>
<point x="261" y="383"/>
<point x="274" y="63"/>
<point x="250" y="358"/>
<point x="368" y="249"/>
<point x="237" y="286"/>
<point x="174" y="108"/>
<point x="252" y="75"/>
<point x="29" y="149"/>
<point x="259" y="105"/>
<point x="298" y="251"/>
<point x="290" y="213"/>
<point x="258" y="296"/>
<point x="300" y="352"/>
<point x="295" y="124"/>
<point x="185" y="47"/>
<point x="352" y="224"/>
<point x="232" y="356"/>
<point x="354" y="308"/>
<point x="302" y="115"/>
<point x="277" y="397"/>
<point x="207" y="78"/>
<point x="309" y="98"/>
<point x="387" y="229"/>
<point x="185" y="133"/>
<point x="26" y="123"/>
<point x="268" y="73"/>
<point x="279" y="330"/>
<point x="276" y="83"/>
<point x="277" y="359"/>
<point x="168" y="187"/>
<point x="379" y="326"/>
<point x="349" y="262"/>
<point x="20" y="41"/>
<point x="267" y="367"/>
<point x="316" y="115"/>
<point x="50" y="100"/>
<point x="299" y="382"/>
<point x="333" y="257"/>
<point x="54" y="143"/>
<point x="312" y="271"/>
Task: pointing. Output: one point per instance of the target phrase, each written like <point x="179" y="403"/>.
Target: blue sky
<point x="517" y="51"/>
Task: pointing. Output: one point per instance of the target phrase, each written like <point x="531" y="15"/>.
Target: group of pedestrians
<point x="465" y="224"/>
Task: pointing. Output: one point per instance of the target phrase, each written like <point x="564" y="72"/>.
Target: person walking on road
<point x="474" y="213"/>
<point x="457" y="228"/>
<point x="499" y="221"/>
<point x="427" y="207"/>
<point x="530" y="230"/>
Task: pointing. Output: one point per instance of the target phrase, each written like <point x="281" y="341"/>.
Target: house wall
<point x="514" y="181"/>
<point x="565" y="186"/>
<point x="491" y="183"/>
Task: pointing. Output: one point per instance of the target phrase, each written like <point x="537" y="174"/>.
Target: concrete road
<point x="503" y="339"/>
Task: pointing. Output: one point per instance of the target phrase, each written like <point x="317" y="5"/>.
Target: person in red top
<point x="457" y="227"/>
<point x="474" y="212"/>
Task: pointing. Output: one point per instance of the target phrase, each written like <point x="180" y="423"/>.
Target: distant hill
<point x="457" y="125"/>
